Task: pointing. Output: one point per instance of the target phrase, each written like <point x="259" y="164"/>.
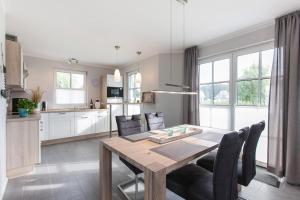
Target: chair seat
<point x="207" y="162"/>
<point x="134" y="169"/>
<point x="191" y="182"/>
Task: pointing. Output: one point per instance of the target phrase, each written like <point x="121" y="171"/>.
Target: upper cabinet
<point x="16" y="70"/>
<point x="111" y="82"/>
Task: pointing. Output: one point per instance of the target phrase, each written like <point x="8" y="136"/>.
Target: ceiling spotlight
<point x="73" y="61"/>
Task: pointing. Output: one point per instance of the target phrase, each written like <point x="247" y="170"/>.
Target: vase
<point x="37" y="109"/>
<point x="23" y="112"/>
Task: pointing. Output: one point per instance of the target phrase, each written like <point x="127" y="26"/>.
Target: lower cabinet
<point x="61" y="125"/>
<point x="68" y="124"/>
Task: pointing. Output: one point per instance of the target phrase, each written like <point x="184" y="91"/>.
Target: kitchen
<point x="74" y="104"/>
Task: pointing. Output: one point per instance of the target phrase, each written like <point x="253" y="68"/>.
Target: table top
<point x="145" y="154"/>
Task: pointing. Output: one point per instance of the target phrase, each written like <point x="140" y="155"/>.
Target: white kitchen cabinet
<point x="112" y="83"/>
<point x="102" y="121"/>
<point x="84" y="123"/>
<point x="61" y="125"/>
<point x="44" y="127"/>
<point x="117" y="110"/>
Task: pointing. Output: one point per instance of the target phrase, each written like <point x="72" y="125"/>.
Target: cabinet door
<point x="84" y="123"/>
<point x="112" y="83"/>
<point x="117" y="110"/>
<point x="101" y="122"/>
<point x="44" y="127"/>
<point x="61" y="125"/>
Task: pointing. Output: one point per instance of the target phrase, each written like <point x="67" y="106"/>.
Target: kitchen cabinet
<point x="112" y="83"/>
<point x="22" y="145"/>
<point x="16" y="70"/>
<point x="61" y="125"/>
<point x="102" y="121"/>
<point x="84" y="123"/>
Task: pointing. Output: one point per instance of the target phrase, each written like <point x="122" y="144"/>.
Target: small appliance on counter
<point x="44" y="106"/>
<point x="97" y="104"/>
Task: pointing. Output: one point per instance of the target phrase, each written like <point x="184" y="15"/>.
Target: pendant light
<point x="117" y="74"/>
<point x="184" y="88"/>
<point x="138" y="76"/>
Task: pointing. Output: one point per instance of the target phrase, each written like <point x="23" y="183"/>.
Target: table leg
<point x="105" y="173"/>
<point x="155" y="184"/>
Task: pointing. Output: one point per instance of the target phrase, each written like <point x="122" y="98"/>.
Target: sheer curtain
<point x="284" y="106"/>
<point x="191" y="78"/>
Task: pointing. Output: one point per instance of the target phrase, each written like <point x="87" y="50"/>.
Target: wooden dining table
<point x="155" y="160"/>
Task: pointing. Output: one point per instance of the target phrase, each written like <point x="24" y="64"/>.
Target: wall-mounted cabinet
<point x="15" y="66"/>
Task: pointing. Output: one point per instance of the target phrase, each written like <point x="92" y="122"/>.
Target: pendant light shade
<point x="138" y="76"/>
<point x="117" y="74"/>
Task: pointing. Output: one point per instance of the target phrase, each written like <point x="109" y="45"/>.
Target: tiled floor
<point x="70" y="171"/>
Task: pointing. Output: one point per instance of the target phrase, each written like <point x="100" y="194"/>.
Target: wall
<point x="41" y="73"/>
<point x="155" y="73"/>
<point x="3" y="178"/>
<point x="241" y="40"/>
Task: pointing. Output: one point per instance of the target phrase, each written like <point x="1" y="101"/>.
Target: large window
<point x="234" y="91"/>
<point x="215" y="93"/>
<point x="70" y="88"/>
<point x="134" y="94"/>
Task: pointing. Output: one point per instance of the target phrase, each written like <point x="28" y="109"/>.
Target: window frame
<point x="132" y="88"/>
<point x="84" y="88"/>
<point x="233" y="55"/>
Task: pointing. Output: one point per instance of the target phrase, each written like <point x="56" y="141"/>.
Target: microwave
<point x="114" y="92"/>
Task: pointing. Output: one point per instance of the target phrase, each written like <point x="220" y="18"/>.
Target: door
<point x="84" y="123"/>
<point x="61" y="125"/>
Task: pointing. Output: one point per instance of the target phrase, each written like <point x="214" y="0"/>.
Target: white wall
<point x="236" y="41"/>
<point x="41" y="73"/>
<point x="155" y="73"/>
<point x="3" y="178"/>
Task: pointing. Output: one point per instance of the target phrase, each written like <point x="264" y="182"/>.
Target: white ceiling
<point x="88" y="30"/>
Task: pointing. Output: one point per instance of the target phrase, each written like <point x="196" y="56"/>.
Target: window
<point x="214" y="93"/>
<point x="234" y="91"/>
<point x="70" y="88"/>
<point x="134" y="94"/>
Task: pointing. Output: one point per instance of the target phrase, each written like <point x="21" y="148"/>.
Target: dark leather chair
<point x="196" y="183"/>
<point x="246" y="166"/>
<point x="155" y="121"/>
<point x="129" y="127"/>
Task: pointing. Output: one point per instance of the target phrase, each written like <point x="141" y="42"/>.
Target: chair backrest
<point x="249" y="153"/>
<point x="225" y="167"/>
<point x="155" y="121"/>
<point x="129" y="127"/>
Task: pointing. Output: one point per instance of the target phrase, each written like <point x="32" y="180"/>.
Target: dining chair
<point x="129" y="127"/>
<point x="246" y="166"/>
<point x="155" y="121"/>
<point x="196" y="183"/>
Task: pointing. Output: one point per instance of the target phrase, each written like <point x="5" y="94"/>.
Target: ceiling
<point x="89" y="29"/>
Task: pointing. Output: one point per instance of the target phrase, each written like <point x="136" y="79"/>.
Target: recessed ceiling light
<point x="73" y="61"/>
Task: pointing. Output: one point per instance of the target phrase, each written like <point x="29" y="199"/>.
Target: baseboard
<point x="3" y="188"/>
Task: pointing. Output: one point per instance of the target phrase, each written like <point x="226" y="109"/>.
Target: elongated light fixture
<point x="138" y="76"/>
<point x="117" y="74"/>
<point x="184" y="88"/>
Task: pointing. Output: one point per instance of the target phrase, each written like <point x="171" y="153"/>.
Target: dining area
<point x="191" y="161"/>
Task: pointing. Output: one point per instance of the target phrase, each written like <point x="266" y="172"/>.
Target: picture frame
<point x="148" y="97"/>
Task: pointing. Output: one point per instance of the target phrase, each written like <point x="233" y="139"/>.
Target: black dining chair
<point x="193" y="182"/>
<point x="155" y="121"/>
<point x="129" y="127"/>
<point x="246" y="166"/>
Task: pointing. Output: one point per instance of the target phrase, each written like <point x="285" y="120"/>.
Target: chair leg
<point x="136" y="186"/>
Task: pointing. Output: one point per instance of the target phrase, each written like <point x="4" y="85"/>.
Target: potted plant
<point x="25" y="106"/>
<point x="36" y="96"/>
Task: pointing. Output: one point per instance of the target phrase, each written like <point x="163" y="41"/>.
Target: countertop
<point x="15" y="118"/>
<point x="72" y="110"/>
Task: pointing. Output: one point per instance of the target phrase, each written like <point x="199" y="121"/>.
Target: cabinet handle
<point x="100" y="116"/>
<point x="62" y="113"/>
<point x="84" y="117"/>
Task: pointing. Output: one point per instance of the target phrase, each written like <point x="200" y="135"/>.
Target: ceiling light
<point x="73" y="61"/>
<point x="117" y="74"/>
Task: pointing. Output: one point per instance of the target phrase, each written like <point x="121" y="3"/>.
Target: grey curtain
<point x="284" y="106"/>
<point x="191" y="78"/>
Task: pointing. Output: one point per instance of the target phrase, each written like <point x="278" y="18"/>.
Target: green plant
<point x="26" y="104"/>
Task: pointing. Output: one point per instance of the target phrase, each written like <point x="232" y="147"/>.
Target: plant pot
<point x="37" y="109"/>
<point x="23" y="112"/>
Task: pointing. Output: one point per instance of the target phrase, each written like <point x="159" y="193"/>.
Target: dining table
<point x="154" y="159"/>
